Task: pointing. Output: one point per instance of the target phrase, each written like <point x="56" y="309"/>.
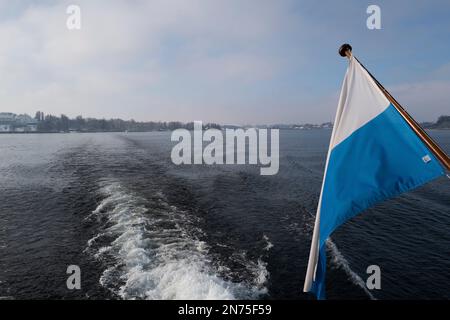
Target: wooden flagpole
<point x="346" y="51"/>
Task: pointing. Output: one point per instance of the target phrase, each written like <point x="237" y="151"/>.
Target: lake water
<point x="140" y="227"/>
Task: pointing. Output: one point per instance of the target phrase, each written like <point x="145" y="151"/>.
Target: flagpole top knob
<point x="345" y="50"/>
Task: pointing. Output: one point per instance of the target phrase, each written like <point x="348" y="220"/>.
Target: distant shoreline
<point x="25" y="124"/>
<point x="281" y="129"/>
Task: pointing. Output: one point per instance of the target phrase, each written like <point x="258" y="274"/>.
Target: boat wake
<point x="337" y="258"/>
<point x="339" y="261"/>
<point x="153" y="250"/>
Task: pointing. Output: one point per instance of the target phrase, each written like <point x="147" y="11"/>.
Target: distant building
<point x="7" y="121"/>
<point x="25" y="123"/>
<point x="10" y="122"/>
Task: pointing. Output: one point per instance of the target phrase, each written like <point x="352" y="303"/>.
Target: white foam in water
<point x="340" y="261"/>
<point x="269" y="245"/>
<point x="262" y="275"/>
<point x="152" y="254"/>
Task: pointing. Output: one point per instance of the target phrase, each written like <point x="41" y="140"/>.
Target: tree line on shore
<point x="50" y="123"/>
<point x="443" y="122"/>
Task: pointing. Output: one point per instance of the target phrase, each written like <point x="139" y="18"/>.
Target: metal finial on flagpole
<point x="345" y="50"/>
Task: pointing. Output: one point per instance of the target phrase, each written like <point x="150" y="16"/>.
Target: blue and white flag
<point x="373" y="155"/>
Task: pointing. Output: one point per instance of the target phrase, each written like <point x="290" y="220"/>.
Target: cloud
<point x="424" y="100"/>
<point x="132" y="52"/>
<point x="223" y="60"/>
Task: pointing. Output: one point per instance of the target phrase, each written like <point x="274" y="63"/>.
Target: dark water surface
<point x="140" y="227"/>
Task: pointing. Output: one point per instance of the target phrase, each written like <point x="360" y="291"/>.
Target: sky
<point x="224" y="61"/>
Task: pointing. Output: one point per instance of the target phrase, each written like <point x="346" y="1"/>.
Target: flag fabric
<point x="373" y="155"/>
